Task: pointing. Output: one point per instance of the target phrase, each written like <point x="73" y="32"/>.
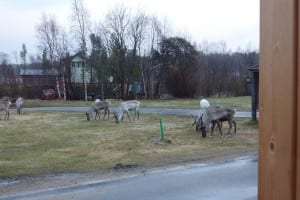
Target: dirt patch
<point x="158" y="140"/>
<point x="120" y="166"/>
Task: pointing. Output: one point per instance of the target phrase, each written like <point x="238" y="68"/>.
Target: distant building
<point x="38" y="77"/>
<point x="77" y="64"/>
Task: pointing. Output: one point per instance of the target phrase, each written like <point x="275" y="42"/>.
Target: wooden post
<point x="254" y="90"/>
<point x="254" y="95"/>
<point x="279" y="125"/>
<point x="298" y="106"/>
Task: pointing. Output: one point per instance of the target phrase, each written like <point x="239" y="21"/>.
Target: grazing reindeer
<point x="19" y="103"/>
<point x="215" y="115"/>
<point x="96" y="107"/>
<point x="125" y="107"/>
<point x="4" y="105"/>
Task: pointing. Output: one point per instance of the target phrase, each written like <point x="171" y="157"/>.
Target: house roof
<point x="38" y="72"/>
<point x="77" y="58"/>
<point x="254" y="68"/>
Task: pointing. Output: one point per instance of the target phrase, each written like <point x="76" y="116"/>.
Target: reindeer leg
<point x="105" y="112"/>
<point x="203" y="132"/>
<point x="234" y="124"/>
<point x="230" y="127"/>
<point x="134" y="114"/>
<point x="128" y="116"/>
<point x="7" y="115"/>
<point x="212" y="129"/>
<point x="96" y="114"/>
<point x="220" y="128"/>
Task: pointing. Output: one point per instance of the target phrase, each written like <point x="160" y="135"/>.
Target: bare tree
<point x="98" y="60"/>
<point x="23" y="54"/>
<point x="80" y="26"/>
<point x="47" y="33"/>
<point x="222" y="72"/>
<point x="137" y="33"/>
<point x="62" y="50"/>
<point x="54" y="44"/>
<point x="155" y="37"/>
<point x="8" y="77"/>
<point x="3" y="58"/>
<point x="115" y="28"/>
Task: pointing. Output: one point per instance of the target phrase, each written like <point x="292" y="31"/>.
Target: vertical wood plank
<point x="278" y="96"/>
<point x="264" y="173"/>
<point x="298" y="108"/>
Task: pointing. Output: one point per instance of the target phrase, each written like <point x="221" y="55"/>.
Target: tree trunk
<point x="84" y="80"/>
<point x="57" y="87"/>
<point x="102" y="89"/>
<point x="64" y="87"/>
<point x="143" y="80"/>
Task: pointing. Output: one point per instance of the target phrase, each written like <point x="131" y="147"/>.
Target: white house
<point x="77" y="64"/>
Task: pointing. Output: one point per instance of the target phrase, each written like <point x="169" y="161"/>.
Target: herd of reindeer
<point x="208" y="117"/>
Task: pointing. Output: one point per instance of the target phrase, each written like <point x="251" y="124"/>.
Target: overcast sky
<point x="234" y="21"/>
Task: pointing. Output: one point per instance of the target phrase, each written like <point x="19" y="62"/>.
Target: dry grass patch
<point x="37" y="143"/>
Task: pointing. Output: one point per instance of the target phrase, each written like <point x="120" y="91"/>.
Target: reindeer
<point x="19" y="103"/>
<point x="125" y="107"/>
<point x="215" y="115"/>
<point x="96" y="107"/>
<point x="4" y="105"/>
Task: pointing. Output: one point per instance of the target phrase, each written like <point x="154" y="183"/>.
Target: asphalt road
<point x="172" y="111"/>
<point x="235" y="179"/>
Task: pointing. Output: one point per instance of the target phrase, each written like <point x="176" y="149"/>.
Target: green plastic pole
<point x="161" y="130"/>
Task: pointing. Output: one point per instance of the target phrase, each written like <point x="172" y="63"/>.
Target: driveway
<point x="234" y="179"/>
<point x="163" y="111"/>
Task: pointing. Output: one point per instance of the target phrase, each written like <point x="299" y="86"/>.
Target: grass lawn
<point x="37" y="142"/>
<point x="240" y="103"/>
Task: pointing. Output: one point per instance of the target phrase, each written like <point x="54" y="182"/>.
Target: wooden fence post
<point x="279" y="124"/>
